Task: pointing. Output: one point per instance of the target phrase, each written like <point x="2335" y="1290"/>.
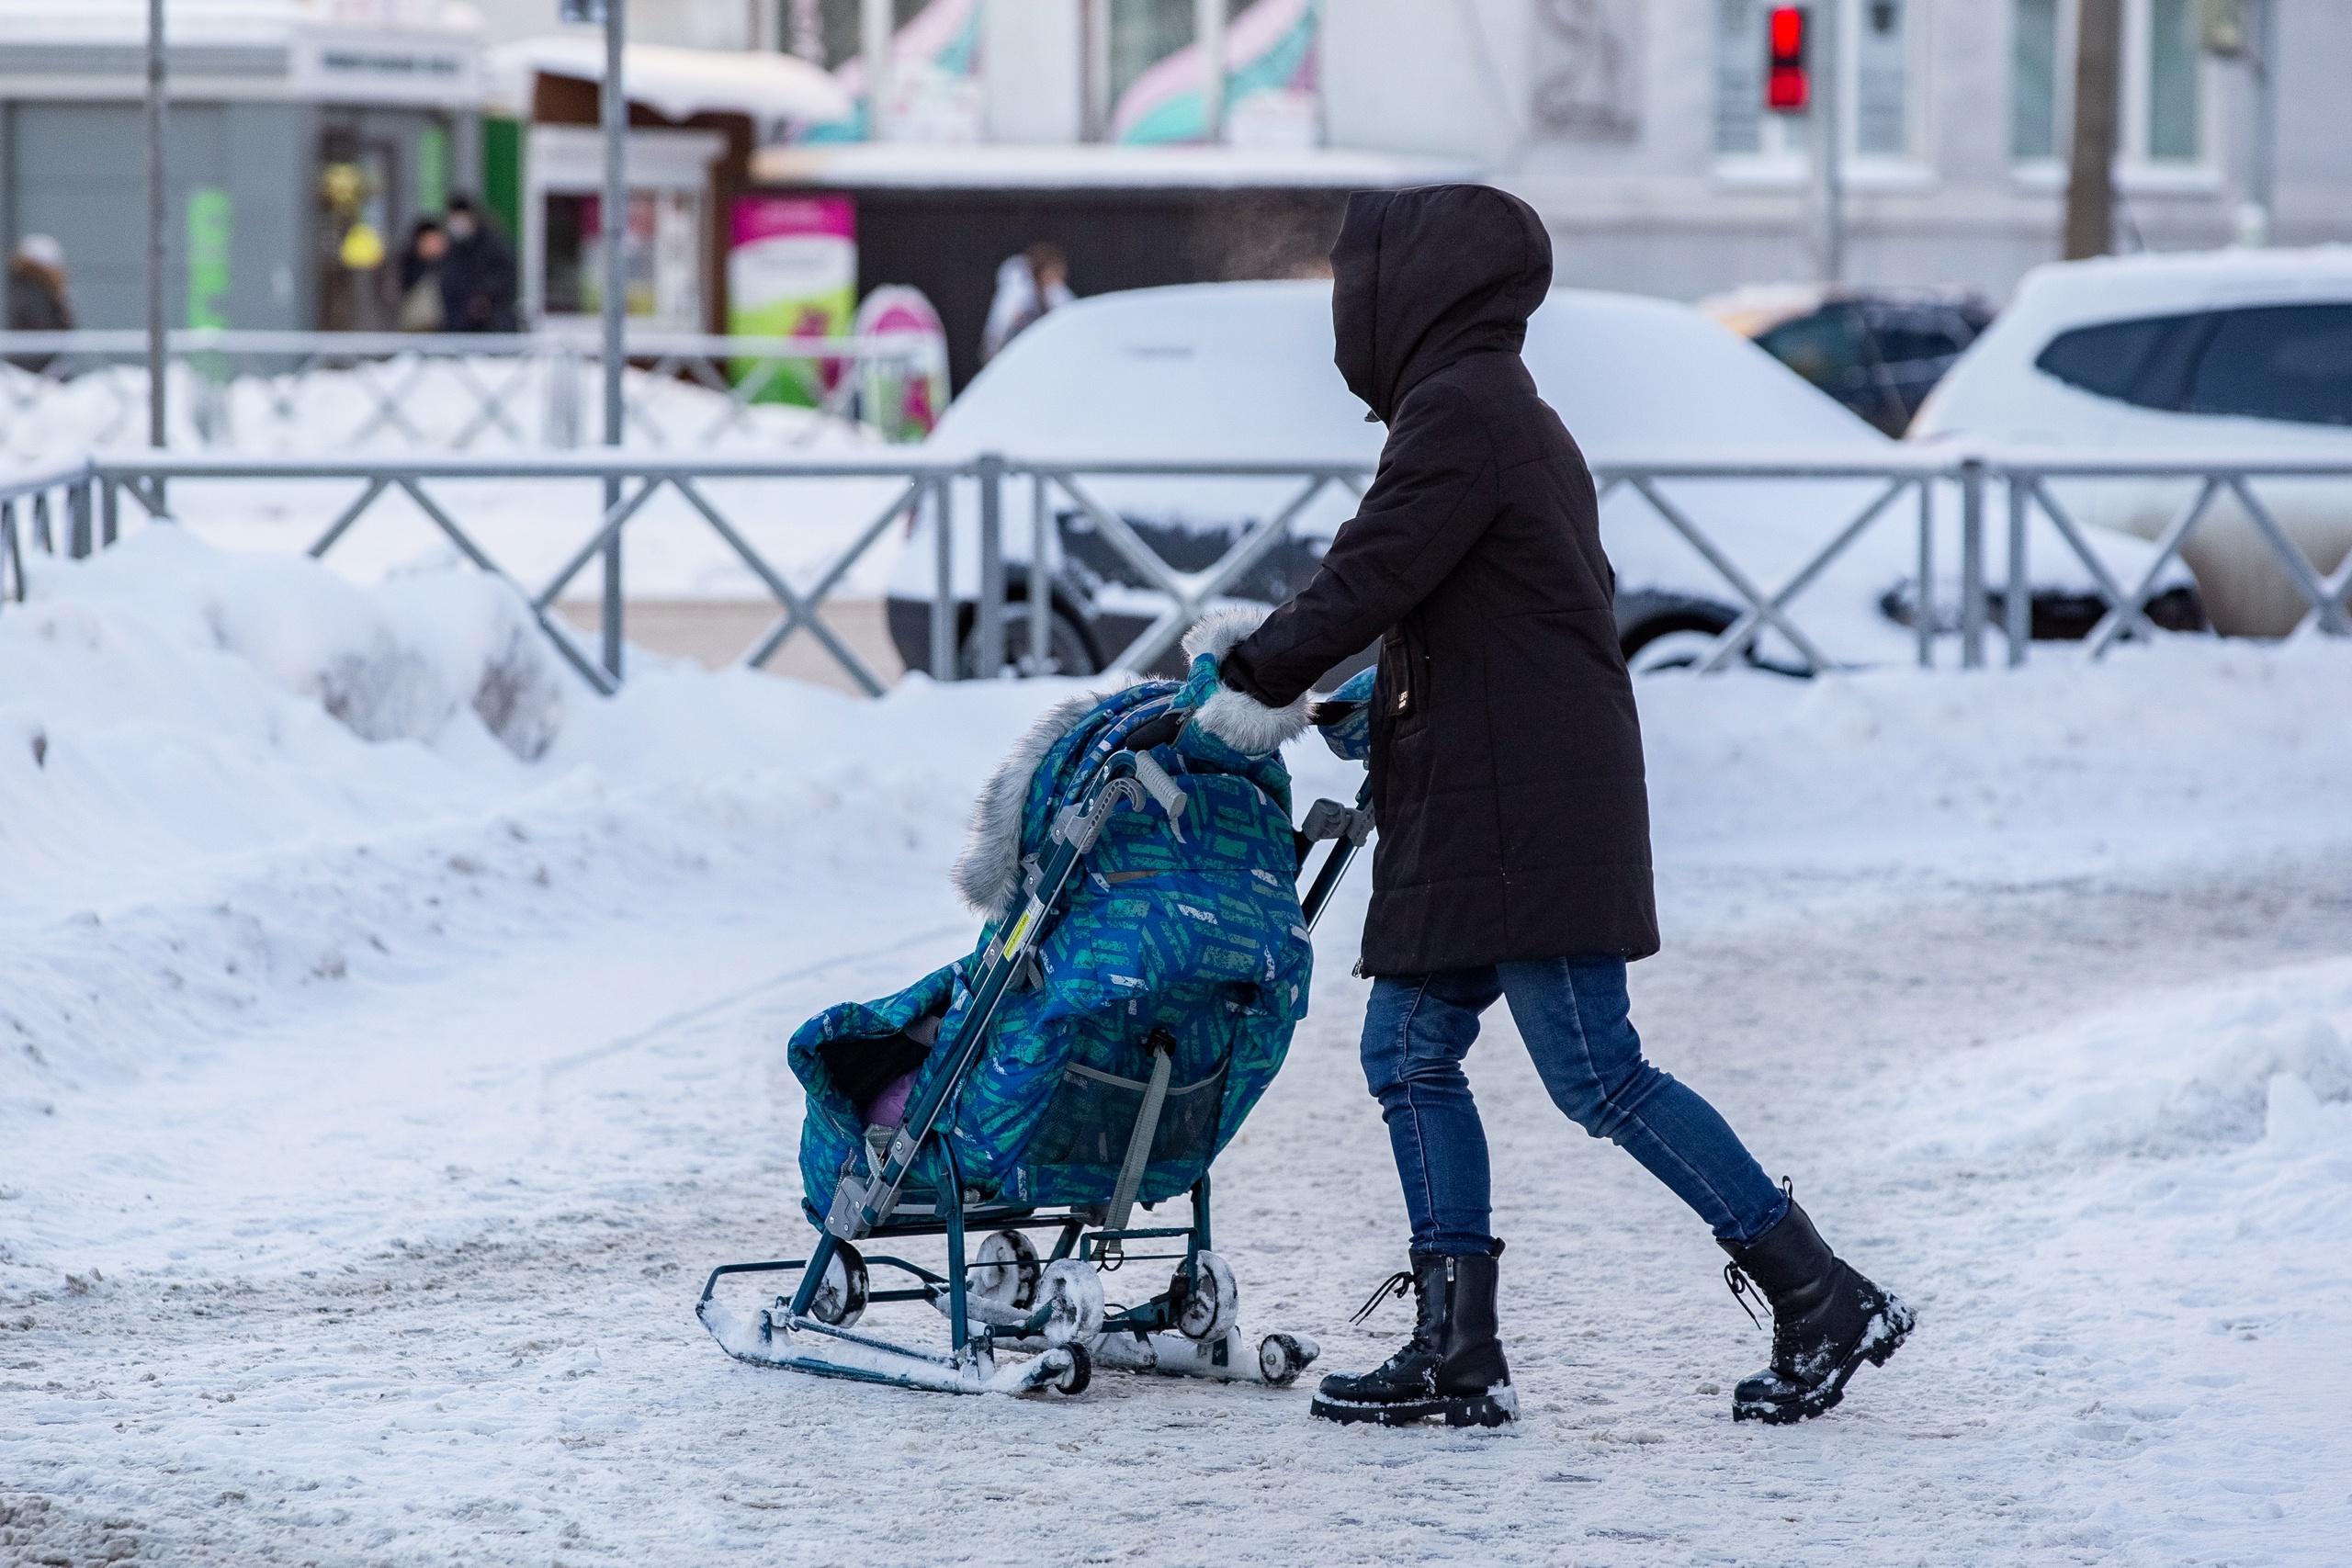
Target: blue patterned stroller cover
<point x="1187" y="940"/>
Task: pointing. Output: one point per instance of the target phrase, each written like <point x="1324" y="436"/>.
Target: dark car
<point x="1877" y="351"/>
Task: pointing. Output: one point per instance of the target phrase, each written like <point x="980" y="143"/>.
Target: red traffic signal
<point x="1787" y="81"/>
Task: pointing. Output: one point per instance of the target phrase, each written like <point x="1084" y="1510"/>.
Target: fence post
<point x="78" y="509"/>
<point x="1971" y="563"/>
<point x="1923" y="610"/>
<point x="563" y="396"/>
<point x="990" y="622"/>
<point x="943" y="597"/>
<point x="109" y="510"/>
<point x="2018" y="607"/>
<point x="1041" y="584"/>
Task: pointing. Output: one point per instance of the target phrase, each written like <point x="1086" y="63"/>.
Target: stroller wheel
<point x="1207" y="1301"/>
<point x="1007" y="1271"/>
<point x="839" y="1301"/>
<point x="1281" y="1357"/>
<point x="1080" y="1372"/>
<point x="1072" y="1293"/>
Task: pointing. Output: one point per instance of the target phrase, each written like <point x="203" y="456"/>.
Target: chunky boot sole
<point x="1496" y="1408"/>
<point x="1897" y="1320"/>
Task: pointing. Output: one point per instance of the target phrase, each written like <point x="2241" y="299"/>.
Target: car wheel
<point x="1671" y="651"/>
<point x="1677" y="637"/>
<point x="1067" y="649"/>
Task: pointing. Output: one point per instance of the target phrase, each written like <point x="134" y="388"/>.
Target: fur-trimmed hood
<point x="987" y="872"/>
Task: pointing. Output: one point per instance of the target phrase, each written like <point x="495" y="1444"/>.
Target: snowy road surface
<point x="367" y="1140"/>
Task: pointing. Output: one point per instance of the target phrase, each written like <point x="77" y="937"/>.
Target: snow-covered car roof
<point x="1243" y="372"/>
<point x="2116" y="288"/>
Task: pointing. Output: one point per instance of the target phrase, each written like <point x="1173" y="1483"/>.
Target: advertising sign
<point x="902" y="398"/>
<point x="208" y="257"/>
<point x="792" y="272"/>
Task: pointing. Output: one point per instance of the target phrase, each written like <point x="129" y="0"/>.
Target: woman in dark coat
<point x="1513" y="859"/>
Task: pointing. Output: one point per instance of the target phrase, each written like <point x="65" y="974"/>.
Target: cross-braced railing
<point x="48" y="509"/>
<point x="1844" y="498"/>
<point x="440" y="391"/>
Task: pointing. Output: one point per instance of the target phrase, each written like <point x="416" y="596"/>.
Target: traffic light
<point x="1788" y="80"/>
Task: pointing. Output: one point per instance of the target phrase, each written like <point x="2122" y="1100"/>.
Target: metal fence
<point x="455" y="391"/>
<point x="75" y="508"/>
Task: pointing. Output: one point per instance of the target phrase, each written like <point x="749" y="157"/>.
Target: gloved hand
<point x="1349" y="735"/>
<point x="1233" y="717"/>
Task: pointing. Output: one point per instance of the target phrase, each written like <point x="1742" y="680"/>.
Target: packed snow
<point x="391" y="1038"/>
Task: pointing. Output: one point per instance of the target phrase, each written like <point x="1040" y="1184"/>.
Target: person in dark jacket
<point x="36" y="296"/>
<point x="1513" y="856"/>
<point x="477" y="274"/>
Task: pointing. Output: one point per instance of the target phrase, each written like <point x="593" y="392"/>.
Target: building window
<point x="1739" y="76"/>
<point x="1882" y="73"/>
<point x="2172" y="116"/>
<point x="2164" y="107"/>
<point x="1878" y="69"/>
<point x="2034" y="81"/>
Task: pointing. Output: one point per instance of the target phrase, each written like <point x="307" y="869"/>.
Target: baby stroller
<point x="1145" y="961"/>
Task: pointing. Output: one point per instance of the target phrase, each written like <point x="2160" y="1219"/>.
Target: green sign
<point x="432" y="169"/>
<point x="208" y="257"/>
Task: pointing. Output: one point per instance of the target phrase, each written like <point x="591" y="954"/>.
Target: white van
<point x="2242" y="353"/>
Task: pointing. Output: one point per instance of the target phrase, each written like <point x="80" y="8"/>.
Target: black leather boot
<point x="1451" y="1370"/>
<point x="1826" y="1321"/>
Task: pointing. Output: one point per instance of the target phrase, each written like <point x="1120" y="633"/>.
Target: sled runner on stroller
<point x="1135" y="989"/>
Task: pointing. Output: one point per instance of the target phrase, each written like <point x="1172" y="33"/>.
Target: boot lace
<point x="1400" y="1283"/>
<point x="1742" y="1290"/>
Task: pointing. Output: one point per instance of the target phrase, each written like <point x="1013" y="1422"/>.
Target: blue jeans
<point x="1573" y="1016"/>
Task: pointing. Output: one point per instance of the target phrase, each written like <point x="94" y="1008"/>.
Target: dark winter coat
<point x="36" y="304"/>
<point x="1506" y="752"/>
<point x="477" y="283"/>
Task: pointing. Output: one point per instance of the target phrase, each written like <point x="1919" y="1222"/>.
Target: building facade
<point x="301" y="141"/>
<point x="1638" y="127"/>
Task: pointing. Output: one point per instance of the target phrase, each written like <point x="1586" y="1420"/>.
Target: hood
<point x="1420" y="278"/>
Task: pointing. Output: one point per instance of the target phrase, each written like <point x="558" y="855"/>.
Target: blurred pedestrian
<point x="420" y="309"/>
<point x="1027" y="285"/>
<point x="37" y="298"/>
<point x="477" y="274"/>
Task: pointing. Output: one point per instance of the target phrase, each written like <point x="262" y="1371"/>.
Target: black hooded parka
<point x="1506" y="751"/>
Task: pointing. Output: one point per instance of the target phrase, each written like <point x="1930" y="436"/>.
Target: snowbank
<point x="177" y="721"/>
<point x="229" y="781"/>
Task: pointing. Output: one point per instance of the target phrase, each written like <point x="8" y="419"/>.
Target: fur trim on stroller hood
<point x="987" y="872"/>
<point x="1238" y="719"/>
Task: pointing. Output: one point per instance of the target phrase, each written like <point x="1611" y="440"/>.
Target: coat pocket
<point x="1403" y="694"/>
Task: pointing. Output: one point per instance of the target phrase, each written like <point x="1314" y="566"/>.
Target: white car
<point x="2247" y="353"/>
<point x="1242" y="372"/>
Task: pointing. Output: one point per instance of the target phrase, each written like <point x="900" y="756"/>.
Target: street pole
<point x="613" y="229"/>
<point x="2265" y="58"/>
<point x="158" y="348"/>
<point x="1831" y="159"/>
<point x="2090" y="168"/>
<point x="1208" y="29"/>
<point x="876" y="21"/>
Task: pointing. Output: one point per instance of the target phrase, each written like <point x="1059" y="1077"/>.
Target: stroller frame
<point x="1054" y="1305"/>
